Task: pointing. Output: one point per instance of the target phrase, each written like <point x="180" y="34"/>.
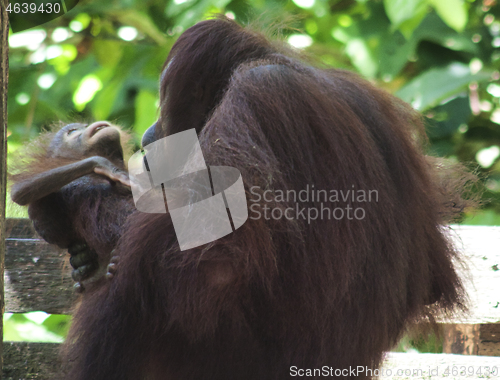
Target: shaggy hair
<point x="89" y="209"/>
<point x="278" y="292"/>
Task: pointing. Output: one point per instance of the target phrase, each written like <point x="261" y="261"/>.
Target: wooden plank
<point x="415" y="366"/>
<point x="37" y="274"/>
<point x="37" y="278"/>
<point x="489" y="339"/>
<point x="23" y="360"/>
<point x="489" y="348"/>
<point x="461" y="339"/>
<point x="465" y="339"/>
<point x="20" y="228"/>
<point x="490" y="333"/>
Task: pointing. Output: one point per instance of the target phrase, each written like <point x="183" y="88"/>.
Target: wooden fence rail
<point x="37" y="278"/>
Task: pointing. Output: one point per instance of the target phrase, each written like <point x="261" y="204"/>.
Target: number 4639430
<point x="34" y="8"/>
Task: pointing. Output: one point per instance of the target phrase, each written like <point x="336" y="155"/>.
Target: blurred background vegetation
<point x="102" y="59"/>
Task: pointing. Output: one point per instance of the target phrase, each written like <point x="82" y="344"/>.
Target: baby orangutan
<point x="75" y="184"/>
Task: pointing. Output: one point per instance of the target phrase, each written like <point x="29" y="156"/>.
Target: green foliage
<point x="405" y="15"/>
<point x="417" y="341"/>
<point x="102" y="60"/>
<point x="453" y="12"/>
<point x="438" y="84"/>
<point x="35" y="327"/>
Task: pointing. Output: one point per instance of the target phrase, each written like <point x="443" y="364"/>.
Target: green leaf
<point x="146" y="111"/>
<point x="408" y="27"/>
<point x="196" y="10"/>
<point x="434" y="29"/>
<point x="435" y="85"/>
<point x="58" y="324"/>
<point x="393" y="53"/>
<point x="19" y="328"/>
<point x="362" y="57"/>
<point x="448" y="117"/>
<point x="401" y="11"/>
<point x="452" y="12"/>
<point x="105" y="100"/>
<point x="482" y="218"/>
<point x="108" y="52"/>
<point x="141" y="22"/>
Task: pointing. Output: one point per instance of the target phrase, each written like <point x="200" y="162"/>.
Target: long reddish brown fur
<point x="89" y="209"/>
<point x="36" y="157"/>
<point x="277" y="293"/>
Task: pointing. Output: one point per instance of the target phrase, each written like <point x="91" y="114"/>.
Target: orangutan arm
<point x="43" y="184"/>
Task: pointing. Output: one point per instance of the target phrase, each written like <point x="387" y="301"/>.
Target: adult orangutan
<point x="73" y="183"/>
<point x="280" y="293"/>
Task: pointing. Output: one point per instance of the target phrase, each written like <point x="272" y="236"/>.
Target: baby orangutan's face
<point x="84" y="140"/>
